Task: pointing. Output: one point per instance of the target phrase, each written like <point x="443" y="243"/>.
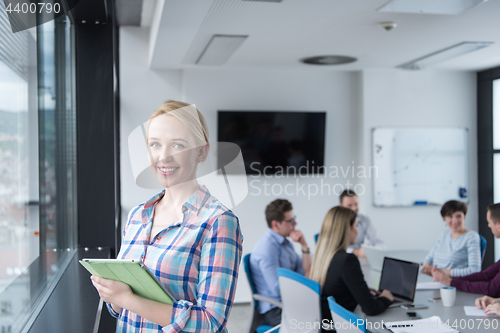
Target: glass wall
<point x="37" y="165"/>
<point x="496" y="156"/>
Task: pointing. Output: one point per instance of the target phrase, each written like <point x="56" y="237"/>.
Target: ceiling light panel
<point x="445" y="54"/>
<point x="219" y="49"/>
<point x="443" y="7"/>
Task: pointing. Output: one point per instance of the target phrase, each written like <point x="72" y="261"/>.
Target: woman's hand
<point x="440" y="276"/>
<point x="427" y="269"/>
<point x="483" y="302"/>
<point x="493" y="308"/>
<point x="114" y="292"/>
<point x="119" y="294"/>
<point x="374" y="292"/>
<point x="387" y="294"/>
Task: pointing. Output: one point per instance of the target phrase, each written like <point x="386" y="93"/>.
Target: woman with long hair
<point x="338" y="272"/>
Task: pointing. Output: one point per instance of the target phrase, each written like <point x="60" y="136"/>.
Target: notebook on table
<point x="400" y="278"/>
<point x="132" y="272"/>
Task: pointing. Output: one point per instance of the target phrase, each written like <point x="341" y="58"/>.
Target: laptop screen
<point x="399" y="277"/>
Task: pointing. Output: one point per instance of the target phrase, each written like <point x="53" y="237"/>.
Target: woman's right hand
<point x="114" y="292"/>
<point x="493" y="308"/>
<point x="483" y="302"/>
<point x="387" y="294"/>
<point x="427" y="269"/>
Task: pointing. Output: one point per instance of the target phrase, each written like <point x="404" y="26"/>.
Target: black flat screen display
<point x="274" y="142"/>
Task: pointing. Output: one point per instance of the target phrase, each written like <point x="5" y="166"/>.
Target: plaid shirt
<point x="197" y="259"/>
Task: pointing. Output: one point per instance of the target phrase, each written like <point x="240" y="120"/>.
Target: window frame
<point x="486" y="152"/>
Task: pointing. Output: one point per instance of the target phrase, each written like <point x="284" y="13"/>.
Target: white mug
<point x="448" y="295"/>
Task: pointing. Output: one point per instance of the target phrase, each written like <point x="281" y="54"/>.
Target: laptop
<point x="375" y="257"/>
<point x="400" y="278"/>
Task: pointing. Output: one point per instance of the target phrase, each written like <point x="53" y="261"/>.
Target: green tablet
<point x="132" y="272"/>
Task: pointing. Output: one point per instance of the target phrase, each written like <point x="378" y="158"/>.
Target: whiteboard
<point x="419" y="166"/>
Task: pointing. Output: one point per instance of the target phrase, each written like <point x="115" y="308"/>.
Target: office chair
<point x="483" y="246"/>
<point x="343" y="319"/>
<point x="301" y="299"/>
<point x="256" y="319"/>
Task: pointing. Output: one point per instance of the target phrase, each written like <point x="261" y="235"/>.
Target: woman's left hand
<point x="111" y="291"/>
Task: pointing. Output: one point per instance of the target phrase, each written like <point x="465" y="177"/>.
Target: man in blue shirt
<point x="274" y="250"/>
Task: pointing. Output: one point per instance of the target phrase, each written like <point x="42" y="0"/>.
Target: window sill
<point x="74" y="302"/>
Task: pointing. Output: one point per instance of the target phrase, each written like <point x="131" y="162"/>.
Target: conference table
<point x="454" y="316"/>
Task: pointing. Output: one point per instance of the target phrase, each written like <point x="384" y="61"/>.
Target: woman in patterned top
<point x="185" y="236"/>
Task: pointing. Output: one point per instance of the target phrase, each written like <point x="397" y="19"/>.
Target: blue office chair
<point x="256" y="319"/>
<point x="343" y="318"/>
<point x="483" y="246"/>
<point x="316" y="238"/>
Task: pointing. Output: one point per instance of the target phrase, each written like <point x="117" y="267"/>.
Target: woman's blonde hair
<point x="333" y="237"/>
<point x="188" y="115"/>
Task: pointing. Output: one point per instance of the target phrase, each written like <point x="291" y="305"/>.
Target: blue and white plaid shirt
<point x="196" y="259"/>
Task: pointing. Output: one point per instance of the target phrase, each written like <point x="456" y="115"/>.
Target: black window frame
<point x="485" y="153"/>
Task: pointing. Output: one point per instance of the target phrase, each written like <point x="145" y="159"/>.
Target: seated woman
<point x="457" y="251"/>
<point x="342" y="278"/>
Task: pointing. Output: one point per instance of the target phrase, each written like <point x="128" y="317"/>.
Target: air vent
<point x="219" y="49"/>
<point x="328" y="60"/>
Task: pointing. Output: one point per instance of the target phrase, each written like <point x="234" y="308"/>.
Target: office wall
<point x="355" y="102"/>
<point x="142" y="91"/>
<point x="424" y="98"/>
<point x="272" y="89"/>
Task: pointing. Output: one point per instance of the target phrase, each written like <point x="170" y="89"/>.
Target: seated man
<point x="486" y="282"/>
<point x="274" y="250"/>
<point x="349" y="199"/>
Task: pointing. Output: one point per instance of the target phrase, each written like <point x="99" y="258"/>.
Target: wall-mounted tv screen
<point x="276" y="142"/>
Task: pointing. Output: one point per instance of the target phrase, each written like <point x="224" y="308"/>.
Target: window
<point x="38" y="234"/>
<point x="496" y="155"/>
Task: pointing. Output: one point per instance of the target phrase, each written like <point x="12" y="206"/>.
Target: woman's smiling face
<point x="455" y="221"/>
<point x="173" y="151"/>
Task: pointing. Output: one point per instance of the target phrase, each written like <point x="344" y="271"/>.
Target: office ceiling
<point x="128" y="12"/>
<point x="281" y="33"/>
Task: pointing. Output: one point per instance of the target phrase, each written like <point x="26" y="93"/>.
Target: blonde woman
<point x="185" y="236"/>
<point x="338" y="272"/>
